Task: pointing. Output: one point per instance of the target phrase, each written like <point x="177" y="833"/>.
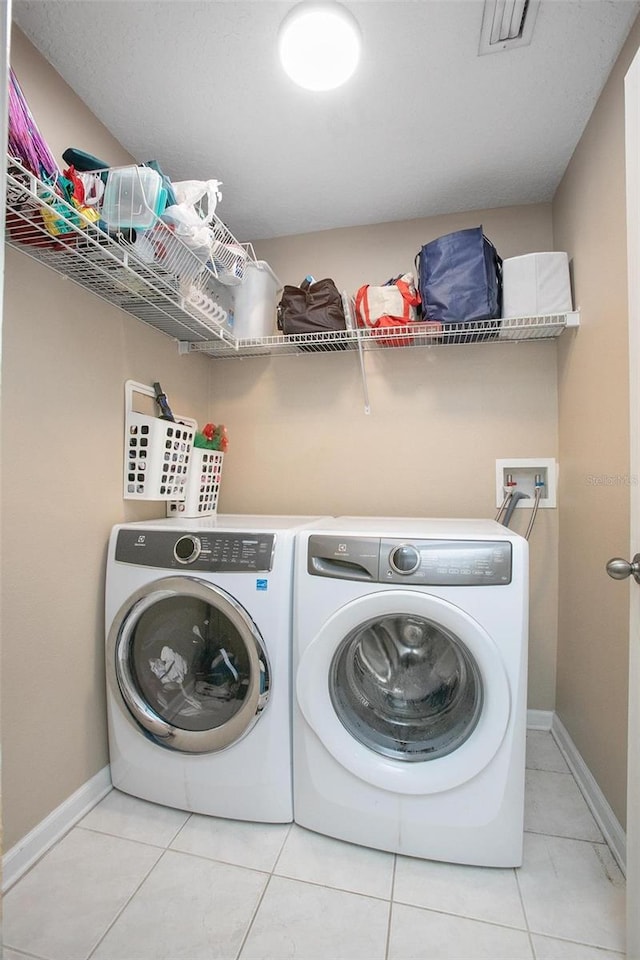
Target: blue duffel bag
<point x="460" y="282"/>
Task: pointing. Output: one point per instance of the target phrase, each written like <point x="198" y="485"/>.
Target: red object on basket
<point x="78" y="186"/>
<point x="213" y="438"/>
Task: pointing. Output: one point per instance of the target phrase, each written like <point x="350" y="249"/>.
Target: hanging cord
<point x="503" y="505"/>
<point x="509" y="487"/>
<point x="513" y="501"/>
<point x="539" y="487"/>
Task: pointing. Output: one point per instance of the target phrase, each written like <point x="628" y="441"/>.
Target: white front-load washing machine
<point x="410" y="667"/>
<point x="198" y="622"/>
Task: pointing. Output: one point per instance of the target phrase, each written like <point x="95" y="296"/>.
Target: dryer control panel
<point x="455" y="563"/>
<point x="217" y="552"/>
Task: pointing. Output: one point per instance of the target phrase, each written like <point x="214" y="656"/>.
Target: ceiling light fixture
<point x="319" y="45"/>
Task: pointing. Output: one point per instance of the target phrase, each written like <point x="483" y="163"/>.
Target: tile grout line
<point x="325" y="886"/>
<point x="524" y="912"/>
<point x="390" y="914"/>
<point x="461" y="916"/>
<point x="560" y="773"/>
<point x="119" y="836"/>
<point x="125" y="905"/>
<point x="179" y="830"/>
<point x="564" y="836"/>
<point x="579" y="943"/>
<point x="222" y="863"/>
<point x="253" y="917"/>
<point x="20" y="953"/>
<point x="280" y="851"/>
<point x="264" y="893"/>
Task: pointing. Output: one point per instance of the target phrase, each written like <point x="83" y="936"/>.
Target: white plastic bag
<point x="201" y="195"/>
<point x="195" y="232"/>
<point x="189" y="222"/>
<point x="93" y="187"/>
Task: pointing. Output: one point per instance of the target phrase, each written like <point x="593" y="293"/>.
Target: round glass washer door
<point x="188" y="665"/>
<point x="407" y="691"/>
<point x="406" y="687"/>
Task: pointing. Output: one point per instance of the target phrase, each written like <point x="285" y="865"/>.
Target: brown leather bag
<point x="311" y="308"/>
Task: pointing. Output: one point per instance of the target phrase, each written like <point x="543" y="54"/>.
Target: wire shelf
<point x="186" y="299"/>
<point x="547" y="327"/>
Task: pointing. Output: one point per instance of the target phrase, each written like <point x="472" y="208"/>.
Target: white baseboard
<point x="539" y="719"/>
<point x="35" y="844"/>
<point x="596" y="800"/>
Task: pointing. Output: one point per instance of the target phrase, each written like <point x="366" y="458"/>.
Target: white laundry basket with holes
<point x="203" y="485"/>
<point x="156" y="453"/>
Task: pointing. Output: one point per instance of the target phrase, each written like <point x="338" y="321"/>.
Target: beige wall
<point x="66" y="355"/>
<point x="589" y="222"/>
<point x="440" y="417"/>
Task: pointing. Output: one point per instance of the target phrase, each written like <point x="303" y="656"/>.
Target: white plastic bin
<point x="203" y="485"/>
<point x="255" y="302"/>
<point x="133" y="198"/>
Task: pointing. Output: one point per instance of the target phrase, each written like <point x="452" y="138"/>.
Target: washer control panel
<point x="451" y="563"/>
<point x="455" y="563"/>
<point x="211" y="550"/>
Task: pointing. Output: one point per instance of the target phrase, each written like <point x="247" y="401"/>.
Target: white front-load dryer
<point x="198" y="625"/>
<point x="410" y="668"/>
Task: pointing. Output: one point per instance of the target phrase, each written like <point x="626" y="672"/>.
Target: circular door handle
<point x="620" y="569"/>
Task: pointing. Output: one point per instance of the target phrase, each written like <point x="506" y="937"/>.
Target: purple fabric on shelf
<point x="25" y="142"/>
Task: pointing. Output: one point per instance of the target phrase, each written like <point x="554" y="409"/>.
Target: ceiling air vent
<point x="507" y="24"/>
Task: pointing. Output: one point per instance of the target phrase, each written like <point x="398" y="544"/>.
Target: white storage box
<point x="536" y="284"/>
<point x="203" y="485"/>
<point x="256" y="302"/>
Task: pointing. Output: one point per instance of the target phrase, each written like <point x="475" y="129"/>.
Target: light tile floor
<point x="135" y="881"/>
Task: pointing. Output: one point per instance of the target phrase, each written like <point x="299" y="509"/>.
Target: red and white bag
<point x="392" y="305"/>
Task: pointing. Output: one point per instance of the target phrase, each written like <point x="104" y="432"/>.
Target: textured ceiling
<point x="426" y="126"/>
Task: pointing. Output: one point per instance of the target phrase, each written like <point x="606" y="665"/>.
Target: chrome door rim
<point x="140" y="712"/>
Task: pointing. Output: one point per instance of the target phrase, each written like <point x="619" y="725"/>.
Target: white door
<point x="632" y="107"/>
<point x="5" y="41"/>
